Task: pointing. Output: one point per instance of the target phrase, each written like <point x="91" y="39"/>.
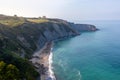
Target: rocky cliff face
<point x="30" y="36"/>
<point x="83" y="27"/>
<point x="54" y="31"/>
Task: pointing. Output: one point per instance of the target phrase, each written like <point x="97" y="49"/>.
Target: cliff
<point x="83" y="27"/>
<point x="20" y="37"/>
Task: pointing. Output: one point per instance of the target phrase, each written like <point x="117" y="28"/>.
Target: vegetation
<point x="38" y="20"/>
<point x="12" y="65"/>
<point x="9" y="53"/>
<point x="23" y="69"/>
<point x="12" y="21"/>
<point x="8" y="72"/>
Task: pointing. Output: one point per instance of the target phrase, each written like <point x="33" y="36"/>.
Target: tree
<point x="44" y="17"/>
<point x="12" y="73"/>
<point x="2" y="70"/>
<point x="15" y="15"/>
<point x="8" y="71"/>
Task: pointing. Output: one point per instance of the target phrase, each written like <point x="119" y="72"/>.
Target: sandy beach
<point x="41" y="60"/>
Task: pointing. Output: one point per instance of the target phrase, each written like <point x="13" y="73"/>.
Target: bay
<point x="90" y="56"/>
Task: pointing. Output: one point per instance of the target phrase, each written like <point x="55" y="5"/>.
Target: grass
<point x="37" y="20"/>
<point x="12" y="21"/>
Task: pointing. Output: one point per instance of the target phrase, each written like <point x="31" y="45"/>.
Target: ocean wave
<point x="51" y="73"/>
<point x="79" y="75"/>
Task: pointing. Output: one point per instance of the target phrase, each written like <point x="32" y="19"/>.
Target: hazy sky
<point x="65" y="9"/>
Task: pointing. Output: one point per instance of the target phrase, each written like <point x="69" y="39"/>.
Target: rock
<point x="83" y="27"/>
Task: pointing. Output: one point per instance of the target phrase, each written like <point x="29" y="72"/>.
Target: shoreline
<point x="42" y="60"/>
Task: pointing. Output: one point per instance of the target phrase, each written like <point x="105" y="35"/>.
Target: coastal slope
<point x="21" y="37"/>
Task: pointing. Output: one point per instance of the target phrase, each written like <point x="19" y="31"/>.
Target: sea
<point x="91" y="55"/>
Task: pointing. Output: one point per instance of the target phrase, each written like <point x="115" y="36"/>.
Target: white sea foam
<point x="51" y="73"/>
<point x="79" y="75"/>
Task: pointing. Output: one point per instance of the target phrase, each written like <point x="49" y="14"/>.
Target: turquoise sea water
<point x="90" y="56"/>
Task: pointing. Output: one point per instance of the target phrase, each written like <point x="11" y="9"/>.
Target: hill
<point x="20" y="37"/>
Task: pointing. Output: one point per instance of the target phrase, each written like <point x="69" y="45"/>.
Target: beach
<point x="42" y="60"/>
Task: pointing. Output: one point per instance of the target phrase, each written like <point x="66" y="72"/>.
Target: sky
<point x="72" y="10"/>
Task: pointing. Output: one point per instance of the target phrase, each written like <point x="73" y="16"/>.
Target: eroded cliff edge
<point x="20" y="37"/>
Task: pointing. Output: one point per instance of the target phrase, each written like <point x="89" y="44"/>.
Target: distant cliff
<point x="83" y="27"/>
<point x="20" y="37"/>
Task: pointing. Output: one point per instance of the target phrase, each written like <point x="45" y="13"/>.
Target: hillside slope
<point x="20" y="37"/>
